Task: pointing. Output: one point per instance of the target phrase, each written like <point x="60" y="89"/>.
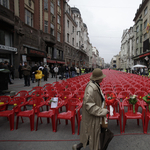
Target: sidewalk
<point x="45" y="139"/>
<point x="18" y="84"/>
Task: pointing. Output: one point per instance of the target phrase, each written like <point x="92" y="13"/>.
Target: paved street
<point x="45" y="139"/>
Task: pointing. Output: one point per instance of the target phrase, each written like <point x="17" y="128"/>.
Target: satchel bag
<point x="105" y="137"/>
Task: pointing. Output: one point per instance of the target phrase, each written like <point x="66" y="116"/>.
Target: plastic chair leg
<point x="138" y="122"/>
<point x="17" y="122"/>
<point x="37" y="123"/>
<point x="73" y="125"/>
<point x="12" y="122"/>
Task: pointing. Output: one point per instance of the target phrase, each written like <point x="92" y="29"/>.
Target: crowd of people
<point x="28" y="72"/>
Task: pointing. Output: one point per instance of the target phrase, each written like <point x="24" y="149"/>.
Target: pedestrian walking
<point x="45" y="71"/>
<point x="62" y="70"/>
<point x="33" y="71"/>
<point x="67" y="71"/>
<point x="73" y="71"/>
<point x="6" y="66"/>
<point x="56" y="71"/>
<point x="26" y="72"/>
<point x="78" y="71"/>
<point x="52" y="71"/>
<point x="12" y="69"/>
<point x="93" y="112"/>
<point x="20" y="70"/>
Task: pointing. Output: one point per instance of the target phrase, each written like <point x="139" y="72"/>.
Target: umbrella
<point x="138" y="65"/>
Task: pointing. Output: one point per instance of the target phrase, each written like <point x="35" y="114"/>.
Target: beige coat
<point x="92" y="114"/>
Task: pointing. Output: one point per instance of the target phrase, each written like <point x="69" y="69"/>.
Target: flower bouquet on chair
<point x="110" y="98"/>
<point x="133" y="100"/>
<point x="147" y="100"/>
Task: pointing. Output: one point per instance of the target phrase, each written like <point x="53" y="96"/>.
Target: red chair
<point x="147" y="117"/>
<point x="125" y="87"/>
<point x="130" y="115"/>
<point x="116" y="115"/>
<point x="37" y="102"/>
<point x="79" y="116"/>
<point x="117" y="90"/>
<point x="80" y="95"/>
<point x="145" y="89"/>
<point x="4" y="101"/>
<point x="22" y="93"/>
<point x="70" y="114"/>
<point x="10" y="115"/>
<point x="140" y="95"/>
<point x="123" y="95"/>
<point x="18" y="101"/>
<point x="65" y="95"/>
<point x="51" y="113"/>
<point x="131" y="90"/>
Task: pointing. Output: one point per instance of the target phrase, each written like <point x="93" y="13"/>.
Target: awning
<point x="60" y="62"/>
<point x="51" y="61"/>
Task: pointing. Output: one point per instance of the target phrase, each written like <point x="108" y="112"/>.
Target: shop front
<point x="7" y="53"/>
<point x="34" y="56"/>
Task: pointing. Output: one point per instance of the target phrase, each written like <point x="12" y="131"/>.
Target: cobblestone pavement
<point x="45" y="139"/>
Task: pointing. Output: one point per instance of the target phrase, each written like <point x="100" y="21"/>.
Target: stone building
<point x="35" y="30"/>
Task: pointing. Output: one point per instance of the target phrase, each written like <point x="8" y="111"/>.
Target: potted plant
<point x="147" y="100"/>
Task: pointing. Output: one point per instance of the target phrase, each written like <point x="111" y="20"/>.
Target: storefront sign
<point x="51" y="61"/>
<point x="145" y="55"/>
<point x="60" y="62"/>
<point x="37" y="53"/>
<point x="8" y="48"/>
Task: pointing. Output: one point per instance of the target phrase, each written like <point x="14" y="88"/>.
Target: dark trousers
<point x="62" y="75"/>
<point x="27" y="80"/>
<point x="20" y="74"/>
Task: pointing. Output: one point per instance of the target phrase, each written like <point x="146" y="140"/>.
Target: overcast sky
<point x="106" y="20"/>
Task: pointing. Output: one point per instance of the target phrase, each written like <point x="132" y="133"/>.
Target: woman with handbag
<point x="93" y="113"/>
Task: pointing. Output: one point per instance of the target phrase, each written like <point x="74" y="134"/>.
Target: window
<point x="145" y="11"/>
<point x="77" y="44"/>
<point x="137" y="51"/>
<point x="58" y="19"/>
<point x="28" y="18"/>
<point x="68" y="23"/>
<point x="46" y="26"/>
<point x="52" y="29"/>
<point x="145" y="24"/>
<point x="140" y="50"/>
<point x="68" y="51"/>
<point x="58" y="36"/>
<point x="52" y="8"/>
<point x="137" y="40"/>
<point x="72" y="29"/>
<point x="73" y="41"/>
<point x="141" y="27"/>
<point x="58" y="2"/>
<point x="137" y="29"/>
<point x="45" y="4"/>
<point x="67" y="37"/>
<point x="4" y="3"/>
<point x="145" y="36"/>
<point x="140" y="39"/>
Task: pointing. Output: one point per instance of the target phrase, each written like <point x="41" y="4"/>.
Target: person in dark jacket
<point x="6" y="66"/>
<point x="52" y="71"/>
<point x="33" y="71"/>
<point x="12" y="71"/>
<point x="73" y="71"/>
<point x="26" y="72"/>
<point x="45" y="71"/>
<point x="61" y="71"/>
<point x="20" y="71"/>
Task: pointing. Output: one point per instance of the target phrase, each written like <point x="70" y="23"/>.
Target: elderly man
<point x="93" y="112"/>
